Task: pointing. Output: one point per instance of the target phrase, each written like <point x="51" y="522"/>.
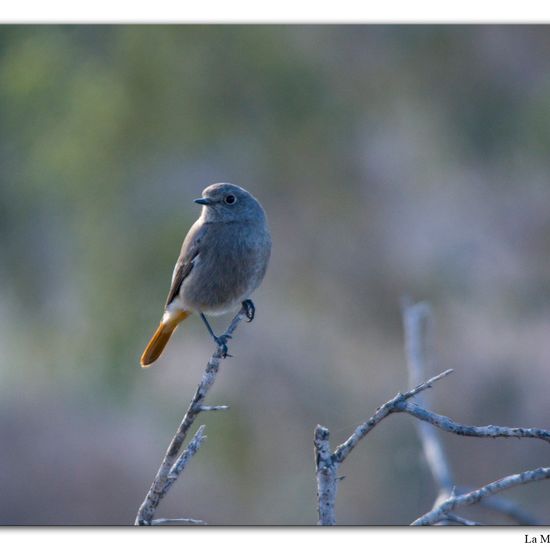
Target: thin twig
<point x="178" y="521"/>
<point x="418" y="328"/>
<point x="446" y="507"/>
<point x="327" y="462"/>
<point x="460" y="520"/>
<point x="391" y="406"/>
<point x="162" y="482"/>
<point x="417" y="324"/>
<point x="185" y="457"/>
<point x="447" y="425"/>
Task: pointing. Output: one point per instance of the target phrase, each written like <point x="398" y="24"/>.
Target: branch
<point x="184" y="458"/>
<point x="460" y="520"/>
<point x="446" y="424"/>
<point x="442" y="511"/>
<point x="327" y="482"/>
<point x="327" y="463"/>
<point x="173" y="463"/>
<point x="418" y="328"/>
<point x="390" y="407"/>
<point x="417" y="324"/>
<point x="178" y="521"/>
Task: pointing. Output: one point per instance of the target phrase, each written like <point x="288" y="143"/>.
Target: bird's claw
<point x="222" y="348"/>
<point x="222" y="344"/>
<point x="249" y="310"/>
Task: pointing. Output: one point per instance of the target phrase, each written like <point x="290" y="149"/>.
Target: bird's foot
<point x="249" y="310"/>
<point x="222" y="344"/>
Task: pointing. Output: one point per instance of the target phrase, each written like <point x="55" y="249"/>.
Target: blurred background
<point x="391" y="160"/>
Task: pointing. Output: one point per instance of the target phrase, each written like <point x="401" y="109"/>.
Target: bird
<point x="223" y="259"/>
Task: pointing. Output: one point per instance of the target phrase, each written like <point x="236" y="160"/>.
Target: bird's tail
<point x="160" y="338"/>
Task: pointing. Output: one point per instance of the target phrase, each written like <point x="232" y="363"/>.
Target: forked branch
<point x="175" y="460"/>
<point x="445" y="509"/>
<point x="328" y="462"/>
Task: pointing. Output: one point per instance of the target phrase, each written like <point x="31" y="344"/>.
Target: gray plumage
<point x="223" y="259"/>
<point x="224" y="256"/>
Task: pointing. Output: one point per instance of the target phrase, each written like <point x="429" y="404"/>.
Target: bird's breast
<point x="229" y="267"/>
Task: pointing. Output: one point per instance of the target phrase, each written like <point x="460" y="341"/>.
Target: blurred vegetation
<point x="390" y="160"/>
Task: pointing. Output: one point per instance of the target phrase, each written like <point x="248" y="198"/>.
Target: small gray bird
<point x="223" y="259"/>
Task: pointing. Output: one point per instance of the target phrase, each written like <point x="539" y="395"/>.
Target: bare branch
<point x="178" y="521"/>
<point x="393" y="405"/>
<point x="446" y="424"/>
<point x="418" y="328"/>
<point x="446" y="507"/>
<point x="417" y="323"/>
<point x="184" y="458"/>
<point x="171" y="465"/>
<point x="460" y="520"/>
<point x="327" y="469"/>
<point x="327" y="463"/>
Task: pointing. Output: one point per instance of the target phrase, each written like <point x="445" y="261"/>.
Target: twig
<point x="178" y="521"/>
<point x="446" y="507"/>
<point x="185" y="457"/>
<point x="460" y="520"/>
<point x="327" y="470"/>
<point x="392" y="406"/>
<point x="447" y="425"/>
<point x="327" y="463"/>
<point x="417" y="325"/>
<point x="173" y="463"/>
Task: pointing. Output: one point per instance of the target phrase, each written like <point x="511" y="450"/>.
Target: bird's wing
<point x="189" y="252"/>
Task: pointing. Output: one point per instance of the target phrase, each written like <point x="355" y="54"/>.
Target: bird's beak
<point x="204" y="201"/>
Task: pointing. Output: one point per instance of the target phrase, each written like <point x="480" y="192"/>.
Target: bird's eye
<point x="230" y="199"/>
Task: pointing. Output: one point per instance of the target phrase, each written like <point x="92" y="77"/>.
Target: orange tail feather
<point x="160" y="339"/>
